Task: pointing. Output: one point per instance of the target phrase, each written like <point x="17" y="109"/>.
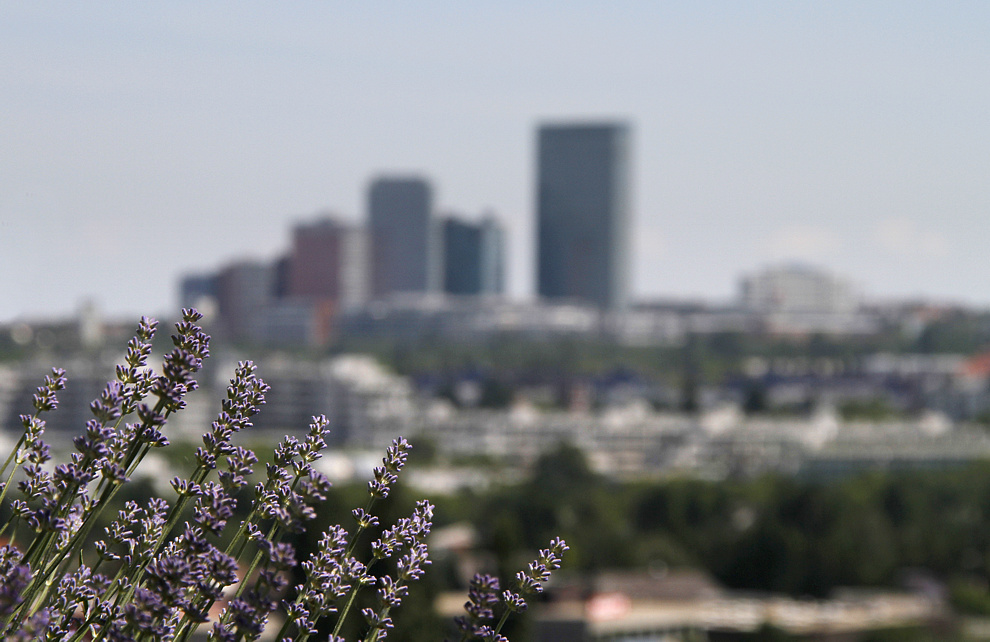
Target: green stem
<point x="12" y="524"/>
<point x="65" y="502"/>
<point x="240" y="540"/>
<point x="285" y="626"/>
<point x="354" y="589"/>
<point x="13" y="469"/>
<point x="501" y="621"/>
<point x="343" y="614"/>
<point x="10" y="457"/>
<point x="273" y="538"/>
<point x="30" y="592"/>
<point x="131" y="460"/>
<point x="173" y="518"/>
<point x="84" y="627"/>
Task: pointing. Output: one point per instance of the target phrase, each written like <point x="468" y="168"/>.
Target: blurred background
<point x="699" y="286"/>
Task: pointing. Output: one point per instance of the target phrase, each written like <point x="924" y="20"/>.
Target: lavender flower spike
<point x="388" y="473"/>
<point x="484" y="589"/>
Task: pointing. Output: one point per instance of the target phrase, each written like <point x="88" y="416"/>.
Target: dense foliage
<point x="800" y="537"/>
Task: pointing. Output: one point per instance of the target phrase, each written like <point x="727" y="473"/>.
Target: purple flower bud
<point x="513" y="601"/>
<point x="363" y="518"/>
<point x="44" y="397"/>
<point x="14" y="578"/>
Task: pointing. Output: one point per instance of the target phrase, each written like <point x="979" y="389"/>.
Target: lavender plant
<point x="158" y="571"/>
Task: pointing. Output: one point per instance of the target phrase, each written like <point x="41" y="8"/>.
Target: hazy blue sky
<point x="139" y="141"/>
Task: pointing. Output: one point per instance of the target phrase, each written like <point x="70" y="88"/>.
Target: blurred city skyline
<point x="141" y="143"/>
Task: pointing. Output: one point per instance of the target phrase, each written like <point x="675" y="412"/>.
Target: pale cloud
<point x="906" y="239"/>
<point x="802" y="242"/>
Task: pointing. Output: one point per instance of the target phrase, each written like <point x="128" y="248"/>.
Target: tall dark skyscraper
<point x="404" y="256"/>
<point x="461" y="257"/>
<point x="473" y="256"/>
<point x="583" y="213"/>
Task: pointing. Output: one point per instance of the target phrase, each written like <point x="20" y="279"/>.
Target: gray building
<point x="492" y="256"/>
<point x="799" y="299"/>
<point x="195" y="289"/>
<point x="583" y="213"/>
<point x="243" y="289"/>
<point x="473" y="256"/>
<point x="404" y="256"/>
<point x="461" y="257"/>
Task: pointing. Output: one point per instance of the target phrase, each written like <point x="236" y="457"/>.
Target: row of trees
<point x="772" y="534"/>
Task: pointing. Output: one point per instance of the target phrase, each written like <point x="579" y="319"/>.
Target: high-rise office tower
<point x="583" y="213"/>
<point x="492" y="256"/>
<point x="461" y="257"/>
<point x="328" y="261"/>
<point x="404" y="253"/>
<point x="472" y="256"/>
<point x="242" y="290"/>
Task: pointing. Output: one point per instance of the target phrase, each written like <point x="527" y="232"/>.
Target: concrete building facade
<point x="243" y="288"/>
<point x="493" y="249"/>
<point x="404" y="253"/>
<point x="583" y="213"/>
<point x="328" y="261"/>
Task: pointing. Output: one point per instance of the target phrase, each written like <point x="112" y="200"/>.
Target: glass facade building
<point x="583" y="213"/>
<point x="404" y="257"/>
<point x="473" y="257"/>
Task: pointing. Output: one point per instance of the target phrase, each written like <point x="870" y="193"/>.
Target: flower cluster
<point x="484" y="595"/>
<point x="159" y="570"/>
